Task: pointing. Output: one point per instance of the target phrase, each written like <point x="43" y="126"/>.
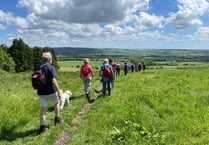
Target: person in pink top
<point x="86" y="74"/>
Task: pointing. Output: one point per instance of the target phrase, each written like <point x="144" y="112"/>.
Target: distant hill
<point x="181" y="55"/>
<point x="95" y="53"/>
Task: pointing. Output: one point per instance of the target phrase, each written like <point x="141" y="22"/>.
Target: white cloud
<point x="189" y="13"/>
<point x="86" y="21"/>
<point x="148" y="20"/>
<point x="79" y="20"/>
<point x="6" y="17"/>
<point x="201" y="34"/>
<point x="9" y="18"/>
<point x="84" y="11"/>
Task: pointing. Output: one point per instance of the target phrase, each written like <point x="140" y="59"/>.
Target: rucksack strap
<point x="43" y="65"/>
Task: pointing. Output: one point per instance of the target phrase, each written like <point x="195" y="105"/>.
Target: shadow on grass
<point x="9" y="134"/>
<point x="76" y="97"/>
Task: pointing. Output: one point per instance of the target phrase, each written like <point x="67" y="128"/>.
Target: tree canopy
<point x="23" y="58"/>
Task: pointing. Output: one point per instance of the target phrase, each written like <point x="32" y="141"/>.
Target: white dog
<point x="65" y="98"/>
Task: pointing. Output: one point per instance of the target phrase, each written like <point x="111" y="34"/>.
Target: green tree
<point x="37" y="56"/>
<point x="21" y="54"/>
<point x="6" y="61"/>
<point x="37" y="59"/>
<point x="54" y="58"/>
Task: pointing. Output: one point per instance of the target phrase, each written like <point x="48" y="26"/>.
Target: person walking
<point x="86" y="74"/>
<point x="106" y="72"/>
<point x="118" y="69"/>
<point x="51" y="93"/>
<point x="114" y="65"/>
<point x="125" y="68"/>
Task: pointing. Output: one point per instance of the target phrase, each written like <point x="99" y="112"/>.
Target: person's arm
<point x="100" y="71"/>
<point x="81" y="72"/>
<point x="92" y="72"/>
<point x="56" y="86"/>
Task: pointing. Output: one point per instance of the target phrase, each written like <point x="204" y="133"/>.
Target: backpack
<point x="106" y="72"/>
<point x="39" y="79"/>
<point x="85" y="70"/>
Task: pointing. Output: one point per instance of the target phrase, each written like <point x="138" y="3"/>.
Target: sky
<point x="129" y="24"/>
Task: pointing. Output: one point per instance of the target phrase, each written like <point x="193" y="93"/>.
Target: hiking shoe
<point x="91" y="101"/>
<point x="87" y="97"/>
<point x="43" y="128"/>
<point x="58" y="120"/>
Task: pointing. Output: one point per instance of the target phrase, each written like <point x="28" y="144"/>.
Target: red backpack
<point x="106" y="72"/>
<point x="39" y="79"/>
<point x="85" y="70"/>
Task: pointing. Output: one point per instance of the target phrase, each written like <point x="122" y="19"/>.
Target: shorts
<point x="43" y="99"/>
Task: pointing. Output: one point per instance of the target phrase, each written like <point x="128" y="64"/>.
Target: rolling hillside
<point x="155" y="55"/>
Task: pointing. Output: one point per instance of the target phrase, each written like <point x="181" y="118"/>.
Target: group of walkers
<point x="107" y="73"/>
<point x="52" y="93"/>
<point x="138" y="67"/>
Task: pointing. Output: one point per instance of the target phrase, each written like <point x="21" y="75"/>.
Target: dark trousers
<point x="106" y="87"/>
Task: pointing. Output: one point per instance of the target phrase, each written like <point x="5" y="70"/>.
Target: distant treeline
<point x="148" y="55"/>
<point x="20" y="57"/>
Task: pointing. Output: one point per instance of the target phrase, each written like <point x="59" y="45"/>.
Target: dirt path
<point x="64" y="136"/>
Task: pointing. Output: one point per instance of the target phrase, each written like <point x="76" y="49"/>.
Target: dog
<point x="65" y="98"/>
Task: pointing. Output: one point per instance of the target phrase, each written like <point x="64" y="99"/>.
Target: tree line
<point x="19" y="57"/>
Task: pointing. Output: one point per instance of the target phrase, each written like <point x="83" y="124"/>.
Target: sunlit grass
<point x="165" y="102"/>
<point x="157" y="106"/>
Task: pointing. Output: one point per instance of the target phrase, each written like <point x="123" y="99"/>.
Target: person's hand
<point x="59" y="93"/>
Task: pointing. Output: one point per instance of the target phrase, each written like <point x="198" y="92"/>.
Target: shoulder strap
<point x="43" y="65"/>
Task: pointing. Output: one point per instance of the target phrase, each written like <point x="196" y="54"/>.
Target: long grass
<point x="157" y="106"/>
<point x="19" y="106"/>
<point x="162" y="106"/>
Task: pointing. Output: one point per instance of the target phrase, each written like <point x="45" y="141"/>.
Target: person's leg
<point x="55" y="99"/>
<point x="112" y="84"/>
<point x="57" y="109"/>
<point x="62" y="102"/>
<point x="109" y="87"/>
<point x="57" y="119"/>
<point x="87" y="86"/>
<point x="104" y="88"/>
<point x="42" y="116"/>
<point x="84" y="84"/>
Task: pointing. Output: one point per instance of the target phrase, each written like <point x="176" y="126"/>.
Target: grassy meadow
<point x="158" y="106"/>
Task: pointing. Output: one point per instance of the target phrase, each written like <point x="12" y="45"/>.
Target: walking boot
<point x="87" y="97"/>
<point x="42" y="129"/>
<point x="58" y="120"/>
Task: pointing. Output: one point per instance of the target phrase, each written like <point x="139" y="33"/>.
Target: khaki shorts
<point x="44" y="99"/>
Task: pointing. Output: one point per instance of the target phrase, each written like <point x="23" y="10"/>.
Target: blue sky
<point x="166" y="24"/>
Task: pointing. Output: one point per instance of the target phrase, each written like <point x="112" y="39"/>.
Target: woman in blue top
<point x="106" y="71"/>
